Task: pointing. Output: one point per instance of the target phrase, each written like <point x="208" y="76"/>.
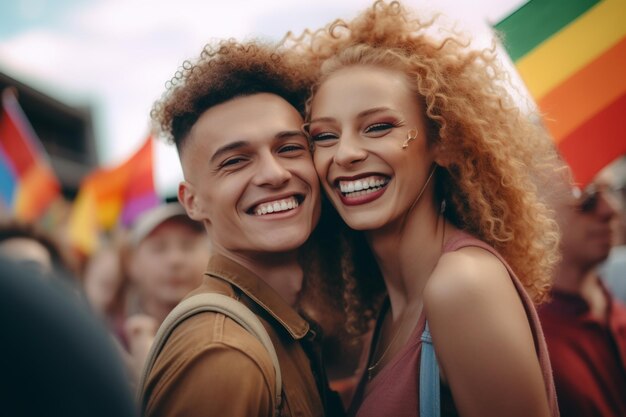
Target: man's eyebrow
<point x="229" y="147"/>
<point x="289" y="134"/>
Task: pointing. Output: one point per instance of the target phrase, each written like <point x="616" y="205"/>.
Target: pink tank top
<point x="394" y="390"/>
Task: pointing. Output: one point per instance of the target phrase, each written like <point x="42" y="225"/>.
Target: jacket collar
<point x="260" y="292"/>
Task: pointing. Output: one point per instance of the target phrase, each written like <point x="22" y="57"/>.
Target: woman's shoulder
<point x="480" y="326"/>
<point x="472" y="288"/>
<point x="468" y="274"/>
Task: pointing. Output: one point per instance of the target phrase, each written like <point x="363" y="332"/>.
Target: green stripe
<point x="538" y="20"/>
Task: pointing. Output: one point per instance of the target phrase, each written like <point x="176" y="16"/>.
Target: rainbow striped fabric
<point x="572" y="56"/>
<point x="27" y="183"/>
<point x="109" y="197"/>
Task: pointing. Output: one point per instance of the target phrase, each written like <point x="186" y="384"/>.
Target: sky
<point x="115" y="56"/>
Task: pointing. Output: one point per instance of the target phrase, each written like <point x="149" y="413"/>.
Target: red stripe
<point x="14" y="144"/>
<point x="597" y="142"/>
<point x="141" y="179"/>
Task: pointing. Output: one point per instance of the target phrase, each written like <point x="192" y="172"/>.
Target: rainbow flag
<point x="572" y="56"/>
<point x="27" y="183"/>
<point x="109" y="197"/>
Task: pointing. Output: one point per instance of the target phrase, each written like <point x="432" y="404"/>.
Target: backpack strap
<point x="218" y="303"/>
<point x="429" y="398"/>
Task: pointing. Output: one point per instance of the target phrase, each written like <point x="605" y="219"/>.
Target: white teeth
<point x="276" y="206"/>
<point x="362" y="185"/>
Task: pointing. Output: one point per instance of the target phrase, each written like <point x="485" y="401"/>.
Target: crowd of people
<point x="393" y="237"/>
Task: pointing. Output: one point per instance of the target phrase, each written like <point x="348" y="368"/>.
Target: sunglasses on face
<point x="589" y="197"/>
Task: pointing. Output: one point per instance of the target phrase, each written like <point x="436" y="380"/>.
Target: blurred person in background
<point x="106" y="288"/>
<point x="56" y="359"/>
<point x="613" y="271"/>
<point x="27" y="244"/>
<point x="584" y="325"/>
<point x="166" y="256"/>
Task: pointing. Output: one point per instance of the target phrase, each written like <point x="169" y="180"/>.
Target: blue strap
<point x="430" y="403"/>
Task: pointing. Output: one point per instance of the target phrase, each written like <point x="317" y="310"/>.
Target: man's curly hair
<point x="496" y="155"/>
<point x="225" y="70"/>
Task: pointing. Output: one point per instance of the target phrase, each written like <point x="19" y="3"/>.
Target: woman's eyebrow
<point x="361" y="115"/>
<point x="367" y="112"/>
<point x="321" y="119"/>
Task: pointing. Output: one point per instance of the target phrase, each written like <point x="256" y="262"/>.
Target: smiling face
<point x="250" y="177"/>
<point x="360" y="118"/>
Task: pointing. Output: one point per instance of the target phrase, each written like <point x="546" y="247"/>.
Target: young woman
<point x="422" y="151"/>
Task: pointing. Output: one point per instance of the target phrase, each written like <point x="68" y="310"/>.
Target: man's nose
<point x="271" y="171"/>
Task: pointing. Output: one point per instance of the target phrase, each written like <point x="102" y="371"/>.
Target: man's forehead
<point x="245" y="118"/>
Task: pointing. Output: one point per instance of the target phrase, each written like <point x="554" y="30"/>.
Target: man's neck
<point x="584" y="282"/>
<point x="281" y="271"/>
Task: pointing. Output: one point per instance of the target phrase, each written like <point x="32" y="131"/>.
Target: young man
<point x="584" y="325"/>
<point x="250" y="179"/>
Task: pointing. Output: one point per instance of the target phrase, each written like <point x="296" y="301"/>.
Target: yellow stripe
<point x="560" y="56"/>
<point x="83" y="225"/>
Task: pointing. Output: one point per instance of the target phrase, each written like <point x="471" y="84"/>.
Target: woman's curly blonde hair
<point x="495" y="154"/>
<point x="225" y="70"/>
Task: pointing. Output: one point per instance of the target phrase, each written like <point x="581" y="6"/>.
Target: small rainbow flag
<point x="27" y="183"/>
<point x="112" y="196"/>
<point x="572" y="56"/>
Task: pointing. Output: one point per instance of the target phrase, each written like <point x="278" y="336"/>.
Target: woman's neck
<point x="407" y="252"/>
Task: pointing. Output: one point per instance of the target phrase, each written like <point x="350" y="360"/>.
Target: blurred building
<point x="66" y="133"/>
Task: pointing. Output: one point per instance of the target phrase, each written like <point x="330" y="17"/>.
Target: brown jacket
<point x="211" y="366"/>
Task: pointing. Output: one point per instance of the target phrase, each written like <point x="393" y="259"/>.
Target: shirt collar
<point x="573" y="303"/>
<point x="260" y="292"/>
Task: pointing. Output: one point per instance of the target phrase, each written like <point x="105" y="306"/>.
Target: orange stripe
<point x="586" y="92"/>
<point x="37" y="189"/>
<point x="597" y="142"/>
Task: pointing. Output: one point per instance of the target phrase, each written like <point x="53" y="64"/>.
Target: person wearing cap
<point x="166" y="257"/>
<point x="584" y="324"/>
<point x="235" y="116"/>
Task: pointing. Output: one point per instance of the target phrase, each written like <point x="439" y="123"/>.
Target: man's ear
<point x="187" y="197"/>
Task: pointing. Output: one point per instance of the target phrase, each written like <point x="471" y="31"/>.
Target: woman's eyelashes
<point x="323" y="136"/>
<point x="377" y="129"/>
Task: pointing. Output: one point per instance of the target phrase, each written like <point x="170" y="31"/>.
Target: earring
<point x="442" y="209"/>
<point x="411" y="135"/>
